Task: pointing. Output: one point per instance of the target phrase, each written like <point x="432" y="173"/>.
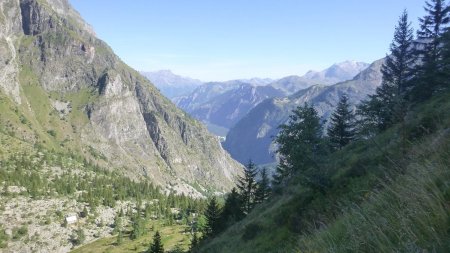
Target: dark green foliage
<point x="263" y="187"/>
<point x="251" y="231"/>
<point x="119" y="240"/>
<point x="117" y="224"/>
<point x="3" y="238"/>
<point x="51" y="132"/>
<point x="18" y="233"/>
<point x="84" y="213"/>
<point x="232" y="210"/>
<point x="78" y="237"/>
<point x="342" y="125"/>
<point x="212" y="215"/>
<point x="156" y="246"/>
<point x="397" y="69"/>
<point x="387" y="106"/>
<point x="445" y="63"/>
<point x="194" y="243"/>
<point x="65" y="224"/>
<point x="138" y="227"/>
<point x="201" y="225"/>
<point x="429" y="73"/>
<point x="247" y="187"/>
<point x="302" y="148"/>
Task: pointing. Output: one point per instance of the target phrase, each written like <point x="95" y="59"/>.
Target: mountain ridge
<point x="206" y="102"/>
<point x="55" y="61"/>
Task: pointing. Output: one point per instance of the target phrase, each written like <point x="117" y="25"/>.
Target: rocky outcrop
<point x="9" y="30"/>
<point x="116" y="112"/>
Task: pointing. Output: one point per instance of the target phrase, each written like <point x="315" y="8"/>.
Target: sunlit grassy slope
<point x="171" y="235"/>
<point x="388" y="194"/>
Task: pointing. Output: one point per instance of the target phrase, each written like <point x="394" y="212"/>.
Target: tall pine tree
<point x="247" y="187"/>
<point x="430" y="51"/>
<point x="212" y="215"/>
<point x="263" y="187"/>
<point x="138" y="227"/>
<point x="386" y="106"/>
<point x="445" y="62"/>
<point x="232" y="210"/>
<point x="194" y="243"/>
<point x="398" y="67"/>
<point x="300" y="143"/>
<point x="342" y="126"/>
<point x="156" y="246"/>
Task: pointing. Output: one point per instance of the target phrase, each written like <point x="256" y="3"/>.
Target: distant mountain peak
<point x="172" y="85"/>
<point x="257" y="81"/>
<point x="163" y="71"/>
<point x="338" y="72"/>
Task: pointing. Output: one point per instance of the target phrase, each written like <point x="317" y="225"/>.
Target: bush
<point x="3" y="238"/>
<point x="52" y="132"/>
<point x="78" y="237"/>
<point x="19" y="232"/>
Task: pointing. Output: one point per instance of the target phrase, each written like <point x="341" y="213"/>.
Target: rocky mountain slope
<point x="251" y="137"/>
<point x="64" y="89"/>
<point x="170" y="84"/>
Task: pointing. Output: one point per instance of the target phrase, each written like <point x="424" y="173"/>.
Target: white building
<point x="71" y="219"/>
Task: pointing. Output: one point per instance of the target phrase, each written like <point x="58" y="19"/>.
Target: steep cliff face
<point x="10" y="27"/>
<point x="78" y="96"/>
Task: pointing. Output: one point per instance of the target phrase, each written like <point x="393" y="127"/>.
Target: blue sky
<point x="232" y="39"/>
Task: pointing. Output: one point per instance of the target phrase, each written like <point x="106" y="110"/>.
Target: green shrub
<point x="18" y="233"/>
<point x="3" y="238"/>
<point x="78" y="237"/>
<point x="51" y="132"/>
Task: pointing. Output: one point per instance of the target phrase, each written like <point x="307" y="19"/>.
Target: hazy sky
<point x="231" y="39"/>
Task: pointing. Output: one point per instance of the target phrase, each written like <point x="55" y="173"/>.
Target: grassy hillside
<point x="173" y="236"/>
<point x="389" y="193"/>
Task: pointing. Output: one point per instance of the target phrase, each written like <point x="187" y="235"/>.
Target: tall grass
<point x="408" y="214"/>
